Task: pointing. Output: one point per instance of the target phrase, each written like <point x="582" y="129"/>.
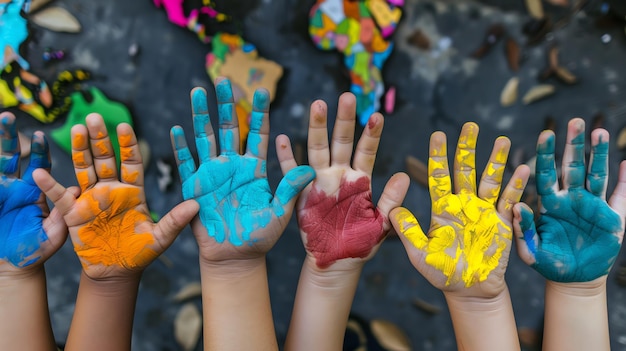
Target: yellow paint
<point x="466" y="159"/>
<point x="467" y="241"/>
<point x="129" y="177"/>
<point x="495" y="170"/>
<point x="437" y="162"/>
<point x="115" y="234"/>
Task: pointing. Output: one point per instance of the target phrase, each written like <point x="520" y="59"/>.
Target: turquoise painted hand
<point x="21" y="215"/>
<point x="232" y="189"/>
<point x="577" y="236"/>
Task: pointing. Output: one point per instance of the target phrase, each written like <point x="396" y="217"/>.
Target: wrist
<point x="112" y="286"/>
<point x="9" y="279"/>
<point x="479" y="304"/>
<point x="337" y="275"/>
<point x="594" y="288"/>
<point x="232" y="269"/>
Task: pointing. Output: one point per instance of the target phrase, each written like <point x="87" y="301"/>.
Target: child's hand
<point x="109" y="223"/>
<point x="467" y="248"/>
<point x="239" y="217"/>
<point x="338" y="221"/>
<point x="578" y="234"/>
<point x="29" y="232"/>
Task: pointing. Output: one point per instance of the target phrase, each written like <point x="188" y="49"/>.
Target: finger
<point x="203" y="131"/>
<point x="285" y="154"/>
<point x="618" y="199"/>
<point x="393" y="195"/>
<point x="439" y="181"/>
<point x="465" y="160"/>
<point x="513" y="191"/>
<point x="545" y="169"/>
<point x="597" y="178"/>
<point x="343" y="132"/>
<point x="63" y="200"/>
<point x="82" y="159"/>
<point x="491" y="179"/>
<point x="525" y="233"/>
<point x="10" y="157"/>
<point x="317" y="145"/>
<point x="184" y="160"/>
<point x="101" y="149"/>
<point x="366" y="148"/>
<point x="573" y="167"/>
<point x="229" y="125"/>
<point x="289" y="187"/>
<point x="258" y="136"/>
<point x="174" y="222"/>
<point x="130" y="155"/>
<point x="39" y="156"/>
<point x="411" y="234"/>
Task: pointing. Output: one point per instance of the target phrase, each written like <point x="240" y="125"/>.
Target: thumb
<point x="174" y="221"/>
<point x="294" y="181"/>
<point x="411" y="234"/>
<point x="525" y="233"/>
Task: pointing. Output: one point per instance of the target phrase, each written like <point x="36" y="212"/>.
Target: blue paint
<point x="201" y="123"/>
<point x="39" y="158"/>
<point x="545" y="170"/>
<point x="260" y="104"/>
<point x="186" y="165"/>
<point x="13" y="31"/>
<point x="576" y="168"/>
<point x="598" y="170"/>
<point x="527" y="224"/>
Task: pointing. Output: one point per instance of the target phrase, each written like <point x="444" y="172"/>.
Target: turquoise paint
<point x="201" y="122"/>
<point x="186" y="165"/>
<point x="260" y="104"/>
<point x="13" y="31"/>
<point x="545" y="171"/>
<point x="576" y="168"/>
<point x="598" y="170"/>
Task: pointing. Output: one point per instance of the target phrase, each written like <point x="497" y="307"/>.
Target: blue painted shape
<point x="13" y="31"/>
<point x="201" y="123"/>
<point x="598" y="171"/>
<point x="527" y="224"/>
<point x="260" y="105"/>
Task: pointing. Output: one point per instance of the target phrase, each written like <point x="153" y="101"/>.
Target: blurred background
<point x="449" y="63"/>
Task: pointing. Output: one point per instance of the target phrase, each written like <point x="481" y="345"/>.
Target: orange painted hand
<point x="467" y="248"/>
<point x="109" y="223"/>
<point x="339" y="223"/>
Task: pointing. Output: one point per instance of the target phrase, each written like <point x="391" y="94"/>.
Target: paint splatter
<point x="575" y="238"/>
<point x="114" y="233"/>
<point x="360" y="30"/>
<point x="342" y="225"/>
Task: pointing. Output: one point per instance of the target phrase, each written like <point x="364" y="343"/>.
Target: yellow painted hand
<point x="467" y="247"/>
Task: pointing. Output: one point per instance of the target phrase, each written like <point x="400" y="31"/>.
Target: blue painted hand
<point x="577" y="235"/>
<point x="236" y="203"/>
<point x="23" y="209"/>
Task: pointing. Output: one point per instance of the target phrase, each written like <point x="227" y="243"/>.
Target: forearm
<point x="103" y="318"/>
<point x="484" y="323"/>
<point x="322" y="306"/>
<point x="25" y="320"/>
<point x="236" y="306"/>
<point x="576" y="316"/>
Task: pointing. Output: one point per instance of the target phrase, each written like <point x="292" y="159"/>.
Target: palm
<point x="575" y="226"/>
<point x="112" y="230"/>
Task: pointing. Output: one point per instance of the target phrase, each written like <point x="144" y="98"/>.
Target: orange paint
<point x="78" y="157"/>
<point x="103" y="148"/>
<point x="106" y="172"/>
<point x="114" y="234"/>
<point x="100" y="135"/>
<point x="83" y="179"/>
<point x="124" y="139"/>
<point x="129" y="177"/>
<point x="126" y="153"/>
<point x="79" y="142"/>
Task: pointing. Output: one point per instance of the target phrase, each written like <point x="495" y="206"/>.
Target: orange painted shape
<point x="112" y="236"/>
<point x="79" y="142"/>
<point x="83" y="179"/>
<point x="102" y="148"/>
<point x="106" y="172"/>
<point x="78" y="158"/>
<point x="126" y="153"/>
<point x="129" y="177"/>
<point x="125" y="139"/>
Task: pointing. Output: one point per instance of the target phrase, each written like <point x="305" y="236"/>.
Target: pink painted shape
<point x="390" y="100"/>
<point x="174" y="10"/>
<point x="342" y="226"/>
<point x="396" y="2"/>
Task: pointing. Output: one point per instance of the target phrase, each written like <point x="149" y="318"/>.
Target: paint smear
<point x="343" y="225"/>
<point x="113" y="235"/>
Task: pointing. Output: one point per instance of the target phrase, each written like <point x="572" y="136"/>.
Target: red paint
<point x="343" y="225"/>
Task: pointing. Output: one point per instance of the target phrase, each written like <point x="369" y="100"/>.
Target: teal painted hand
<point x="29" y="234"/>
<point x="577" y="235"/>
<point x="237" y="207"/>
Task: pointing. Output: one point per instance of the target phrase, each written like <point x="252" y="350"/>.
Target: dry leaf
<point x="419" y="40"/>
<point x="417" y="170"/>
<point x="512" y="53"/>
<point x="390" y="336"/>
<point x="509" y="93"/>
<point x="187" y="326"/>
<point x="188" y="291"/>
<point x="426" y="307"/>
<point x="565" y="75"/>
<point x="56" y="19"/>
<point x="538" y="92"/>
<point x="535" y="9"/>
<point x="621" y="139"/>
<point x="356" y="328"/>
<point x="564" y="3"/>
<point x="37" y="4"/>
<point x="528" y="337"/>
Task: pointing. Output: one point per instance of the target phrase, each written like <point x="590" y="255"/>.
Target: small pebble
<point x="606" y="38"/>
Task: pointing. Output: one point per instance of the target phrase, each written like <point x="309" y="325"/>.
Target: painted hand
<point x="239" y="216"/>
<point x="338" y="221"/>
<point x="467" y="248"/>
<point x="30" y="233"/>
<point x="109" y="223"/>
<point x="578" y="234"/>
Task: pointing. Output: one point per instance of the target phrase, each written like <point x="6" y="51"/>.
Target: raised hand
<point x="239" y="216"/>
<point x="30" y="233"/>
<point x="578" y="234"/>
<point x="109" y="223"/>
<point x="337" y="218"/>
<point x="467" y="248"/>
